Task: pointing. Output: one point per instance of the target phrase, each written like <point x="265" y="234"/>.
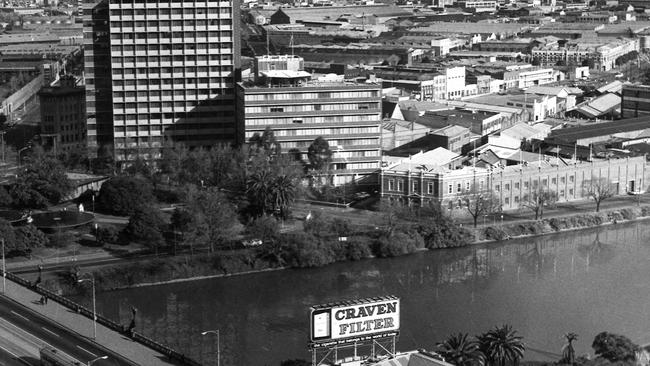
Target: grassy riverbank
<point x="316" y="247"/>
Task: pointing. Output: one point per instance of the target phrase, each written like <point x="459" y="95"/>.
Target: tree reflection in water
<point x="597" y="252"/>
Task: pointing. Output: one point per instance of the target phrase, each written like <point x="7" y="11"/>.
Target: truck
<point x="53" y="357"/>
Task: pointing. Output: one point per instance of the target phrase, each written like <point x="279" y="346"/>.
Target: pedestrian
<point x="42" y="300"/>
<point x="45" y="297"/>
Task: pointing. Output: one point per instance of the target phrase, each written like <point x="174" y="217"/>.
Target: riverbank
<point x="304" y="251"/>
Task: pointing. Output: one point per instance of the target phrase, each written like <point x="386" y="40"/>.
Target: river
<point x="583" y="282"/>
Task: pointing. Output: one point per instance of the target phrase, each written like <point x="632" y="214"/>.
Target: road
<point x="23" y="333"/>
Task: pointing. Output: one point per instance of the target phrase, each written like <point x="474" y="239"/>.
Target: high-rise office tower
<point x="160" y="70"/>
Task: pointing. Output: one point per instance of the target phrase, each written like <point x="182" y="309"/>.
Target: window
<point x="516" y="185"/>
<point x="571" y="192"/>
<point x="525" y="185"/>
<point x="391" y="184"/>
<point x="571" y="179"/>
<point x="400" y="185"/>
<point x="277" y="109"/>
<point x="544" y="182"/>
<point x="562" y="193"/>
<point x="467" y="186"/>
<point x="506" y="201"/>
<point x="451" y="189"/>
<point x="430" y="188"/>
<point x="553" y="181"/>
<point x="516" y="199"/>
<point x="459" y="188"/>
<point x="506" y="186"/>
<point x="415" y="186"/>
<point x="562" y="180"/>
<point x="497" y="188"/>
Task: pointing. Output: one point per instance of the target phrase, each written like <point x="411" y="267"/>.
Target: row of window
<point x="144" y="106"/>
<point x="312" y="107"/>
<point x="155" y="95"/>
<point x="310" y="120"/>
<point x="181" y="127"/>
<point x="188" y="23"/>
<point x="215" y="83"/>
<point x="350" y="142"/>
<point x="320" y="131"/>
<point x="320" y="95"/>
<point x="535" y="183"/>
<point x="187" y="35"/>
<point x="186" y="47"/>
<point x="189" y="11"/>
<point x="116" y="61"/>
<point x="172" y="116"/>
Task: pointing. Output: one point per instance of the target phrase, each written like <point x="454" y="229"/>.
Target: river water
<point x="583" y="282"/>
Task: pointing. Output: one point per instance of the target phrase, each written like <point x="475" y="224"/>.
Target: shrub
<point x="169" y="194"/>
<point x="357" y="250"/>
<point x="495" y="233"/>
<point x="398" y="244"/>
<point x="61" y="239"/>
<point x="614" y="347"/>
<point x="145" y="225"/>
<point x="124" y="195"/>
<point x="5" y="198"/>
<point x="108" y="235"/>
<point x="29" y="237"/>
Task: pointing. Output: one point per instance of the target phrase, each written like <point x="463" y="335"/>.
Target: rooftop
<point x="572" y="134"/>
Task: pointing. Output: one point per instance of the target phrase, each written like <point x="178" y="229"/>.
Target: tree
<point x="599" y="189"/>
<point x="319" y="154"/>
<point x="480" y="202"/>
<point x="146" y="225"/>
<point x="41" y="181"/>
<point x="265" y="143"/>
<point x="501" y="345"/>
<point x="28" y="237"/>
<point x="5" y="198"/>
<point x="265" y="228"/>
<point x="460" y="350"/>
<point x="270" y="193"/>
<point x="568" y="352"/>
<point x="123" y="195"/>
<point x="537" y="199"/>
<point x="614" y="347"/>
<point x="213" y="220"/>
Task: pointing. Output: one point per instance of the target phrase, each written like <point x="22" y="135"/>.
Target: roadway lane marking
<point x="15" y="313"/>
<point x="83" y="349"/>
<point x="51" y="332"/>
<point x="18" y="358"/>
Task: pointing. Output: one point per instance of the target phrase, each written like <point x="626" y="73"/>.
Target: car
<point x="252" y="242"/>
<point x="361" y="195"/>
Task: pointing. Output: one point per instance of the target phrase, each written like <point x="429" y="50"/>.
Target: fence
<point x="108" y="323"/>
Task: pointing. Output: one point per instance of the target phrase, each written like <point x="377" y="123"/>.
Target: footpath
<point x="82" y="325"/>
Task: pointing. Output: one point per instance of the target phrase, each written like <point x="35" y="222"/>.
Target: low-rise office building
<point x="63" y="117"/>
<point x="635" y="101"/>
<point x="298" y="110"/>
<point x="511" y="184"/>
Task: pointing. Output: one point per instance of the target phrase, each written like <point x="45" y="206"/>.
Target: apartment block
<point x="298" y="110"/>
<point x="635" y="101"/>
<point x="161" y="70"/>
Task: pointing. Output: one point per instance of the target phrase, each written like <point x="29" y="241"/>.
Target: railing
<point x="80" y="309"/>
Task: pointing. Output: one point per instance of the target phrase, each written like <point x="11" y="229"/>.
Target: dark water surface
<point x="584" y="282"/>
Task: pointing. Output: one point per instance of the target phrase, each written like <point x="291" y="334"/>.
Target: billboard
<point x="355" y="319"/>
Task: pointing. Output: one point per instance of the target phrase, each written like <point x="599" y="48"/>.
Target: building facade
<point x="512" y="183"/>
<point x="347" y="115"/>
<point x="165" y="70"/>
<point x="635" y="101"/>
<point x="63" y="114"/>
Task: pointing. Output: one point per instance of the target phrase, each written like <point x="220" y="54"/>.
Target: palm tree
<point x="460" y="350"/>
<point x="270" y="193"/>
<point x="501" y="345"/>
<point x="568" y="352"/>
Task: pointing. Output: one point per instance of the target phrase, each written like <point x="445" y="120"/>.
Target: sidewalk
<point x="82" y="325"/>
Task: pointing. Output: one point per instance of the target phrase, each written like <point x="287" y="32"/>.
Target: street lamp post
<point x="21" y="150"/>
<point x="92" y="280"/>
<point x="501" y="220"/>
<point x="96" y="359"/>
<point x="218" y="347"/>
<point x="4" y="269"/>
